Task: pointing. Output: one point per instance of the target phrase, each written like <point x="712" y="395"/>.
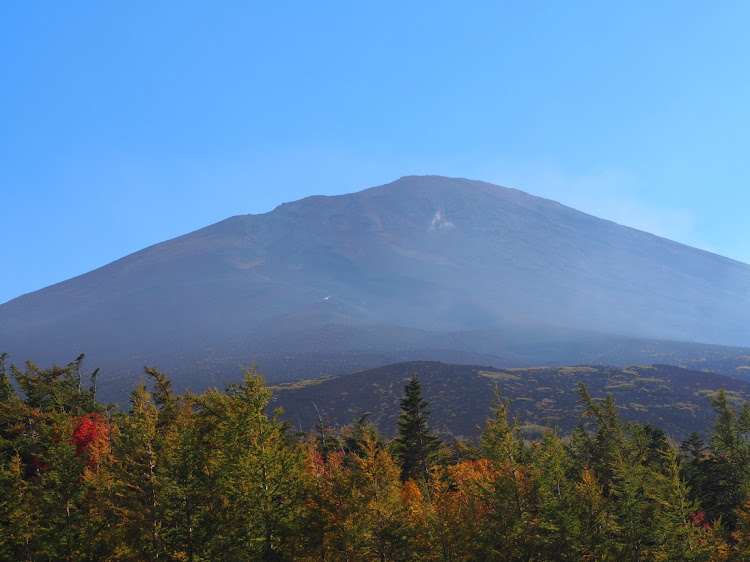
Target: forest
<point x="216" y="476"/>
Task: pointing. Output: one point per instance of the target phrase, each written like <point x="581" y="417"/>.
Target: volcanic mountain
<point x="422" y="268"/>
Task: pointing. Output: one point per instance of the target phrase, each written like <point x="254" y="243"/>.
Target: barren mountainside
<point x="422" y="268"/>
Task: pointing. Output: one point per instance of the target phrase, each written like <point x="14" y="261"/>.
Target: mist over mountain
<point x="421" y="268"/>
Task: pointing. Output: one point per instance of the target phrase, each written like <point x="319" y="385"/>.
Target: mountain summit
<point x="423" y="263"/>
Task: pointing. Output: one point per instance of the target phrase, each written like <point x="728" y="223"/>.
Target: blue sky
<point x="126" y="124"/>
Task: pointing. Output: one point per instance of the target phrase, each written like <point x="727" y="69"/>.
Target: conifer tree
<point x="326" y="441"/>
<point x="416" y="446"/>
<point x="458" y="508"/>
<point x="726" y="473"/>
<point x="61" y="493"/>
<point x="602" y="450"/>
<point x="557" y="523"/>
<point x="6" y="389"/>
<point x="17" y="512"/>
<point x="356" y="434"/>
<point x="187" y="516"/>
<point x="321" y="469"/>
<point x="741" y="534"/>
<point x="678" y="530"/>
<point x="693" y="451"/>
<point x="632" y="507"/>
<point x="139" y="447"/>
<point x="259" y="471"/>
<point x="380" y="514"/>
<point x="593" y="535"/>
<point x="510" y="520"/>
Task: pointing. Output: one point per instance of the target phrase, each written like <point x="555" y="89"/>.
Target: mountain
<point x="421" y="268"/>
<point x="460" y="396"/>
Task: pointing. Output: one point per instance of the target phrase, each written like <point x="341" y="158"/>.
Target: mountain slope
<point x="461" y="396"/>
<point x="394" y="271"/>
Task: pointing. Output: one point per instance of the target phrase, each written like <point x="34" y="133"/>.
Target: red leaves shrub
<point x="699" y="519"/>
<point x="91" y="437"/>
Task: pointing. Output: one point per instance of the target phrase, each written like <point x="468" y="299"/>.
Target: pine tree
<point x="416" y="446"/>
<point x="138" y="479"/>
<point x="633" y="510"/>
<point x="6" y="389"/>
<point x="678" y="528"/>
<point x="726" y="473"/>
<point x="258" y="470"/>
<point x="355" y="435"/>
<point x="17" y="512"/>
<point x="593" y="535"/>
<point x="557" y="523"/>
<point x="511" y="521"/>
<point x="693" y="451"/>
<point x="189" y="481"/>
<point x="459" y="507"/>
<point x="379" y="513"/>
<point x="327" y="441"/>
<point x="602" y="450"/>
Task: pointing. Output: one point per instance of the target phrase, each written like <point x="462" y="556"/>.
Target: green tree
<point x="601" y="449"/>
<point x="17" y="512"/>
<point x="726" y="472"/>
<point x="416" y="445"/>
<point x="677" y="529"/>
<point x="555" y="496"/>
<point x="258" y="470"/>
<point x="592" y="537"/>
<point x="694" y="453"/>
<point x="193" y="513"/>
<point x="326" y="440"/>
<point x="512" y="520"/>
<point x="6" y="389"/>
<point x="137" y="500"/>
<point x="378" y="512"/>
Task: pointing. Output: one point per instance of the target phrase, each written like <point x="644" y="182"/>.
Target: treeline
<point x="215" y="477"/>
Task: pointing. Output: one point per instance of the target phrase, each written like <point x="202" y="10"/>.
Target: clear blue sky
<point x="123" y="124"/>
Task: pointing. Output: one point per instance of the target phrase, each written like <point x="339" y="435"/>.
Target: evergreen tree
<point x="378" y="513"/>
<point x="458" y="507"/>
<point x="327" y="441"/>
<point x="693" y="452"/>
<point x="137" y="492"/>
<point x="726" y="472"/>
<point x="17" y="512"/>
<point x="356" y="434"/>
<point x="416" y="446"/>
<point x="510" y="521"/>
<point x="592" y="535"/>
<point x="61" y="494"/>
<point x="677" y="527"/>
<point x="555" y="496"/>
<point x="258" y="470"/>
<point x="193" y="512"/>
<point x="56" y="389"/>
<point x="602" y="450"/>
<point x="632" y="508"/>
<point x="6" y="389"/>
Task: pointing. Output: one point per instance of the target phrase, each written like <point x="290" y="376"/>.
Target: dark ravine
<point x="422" y="268"/>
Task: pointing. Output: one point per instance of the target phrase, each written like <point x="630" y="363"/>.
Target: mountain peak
<point x="394" y="267"/>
